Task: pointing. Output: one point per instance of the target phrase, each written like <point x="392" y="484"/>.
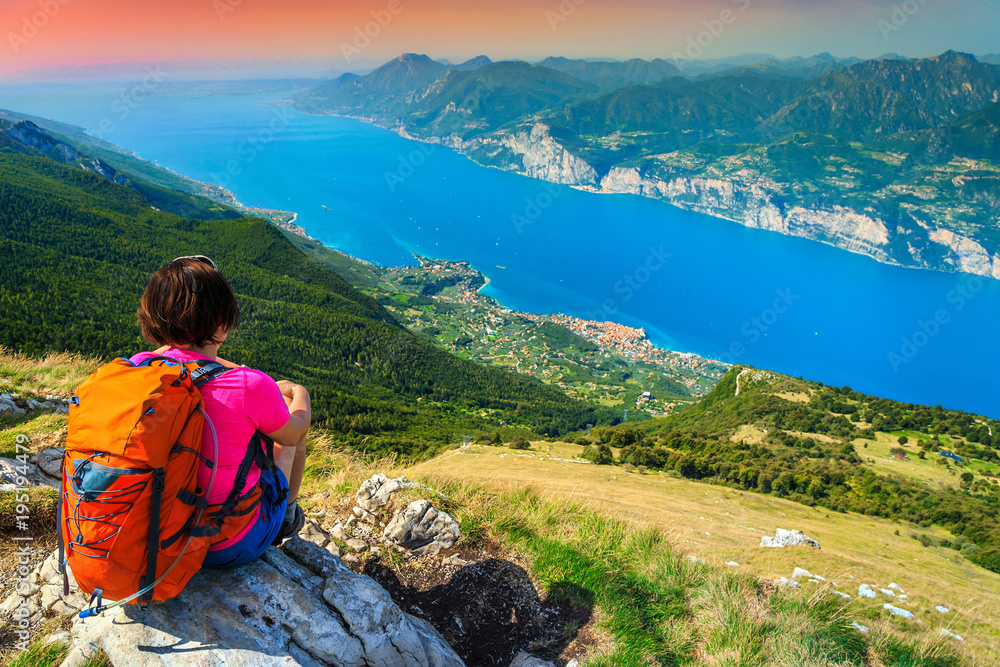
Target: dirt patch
<point x="489" y="609"/>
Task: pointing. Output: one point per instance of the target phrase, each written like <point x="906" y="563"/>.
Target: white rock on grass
<point x="896" y="611"/>
<point x="785" y="582"/>
<point x="860" y="628"/>
<point x="788" y="538"/>
<point x="841" y="594"/>
<point x="942" y="609"/>
<point x="887" y="592"/>
<point x="949" y="633"/>
<point x="866" y="591"/>
<point x="732" y="563"/>
<point x="894" y="586"/>
<point x="799" y="573"/>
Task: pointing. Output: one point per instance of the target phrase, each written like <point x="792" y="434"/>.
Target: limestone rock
<point x="865" y="591"/>
<point x="313" y="532"/>
<point x="378" y="490"/>
<point x="896" y="611"/>
<point x="788" y="538"/>
<point x="8" y="406"/>
<point x="949" y="633"/>
<point x="357" y="545"/>
<point x="13" y="473"/>
<point x="50" y="461"/>
<point x="422" y="529"/>
<point x="297" y="606"/>
<point x="942" y="609"/>
<point x="522" y="659"/>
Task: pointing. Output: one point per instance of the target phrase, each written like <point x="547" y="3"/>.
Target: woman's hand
<point x="287" y="388"/>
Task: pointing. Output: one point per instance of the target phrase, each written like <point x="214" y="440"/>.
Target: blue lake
<point x="696" y="283"/>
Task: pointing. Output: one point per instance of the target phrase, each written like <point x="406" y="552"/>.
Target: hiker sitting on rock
<point x="188" y="308"/>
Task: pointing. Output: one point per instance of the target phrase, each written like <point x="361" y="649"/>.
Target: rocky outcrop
<point x="297" y="605"/>
<point x="966" y="255"/>
<point x="544" y="158"/>
<point x="788" y="538"/>
<point x="421" y="529"/>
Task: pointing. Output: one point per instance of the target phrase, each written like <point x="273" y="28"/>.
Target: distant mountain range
<point x="892" y="157"/>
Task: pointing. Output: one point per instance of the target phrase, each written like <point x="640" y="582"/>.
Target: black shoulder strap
<point x="207" y="371"/>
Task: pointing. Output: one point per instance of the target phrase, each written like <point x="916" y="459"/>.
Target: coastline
<point x="716" y="198"/>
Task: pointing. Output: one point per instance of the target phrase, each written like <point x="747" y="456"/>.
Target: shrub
<point x="903" y="440"/>
<point x="599" y="454"/>
<point x="988" y="558"/>
<point x="519" y="443"/>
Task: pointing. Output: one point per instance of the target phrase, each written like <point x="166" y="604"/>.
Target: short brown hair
<point x="185" y="303"/>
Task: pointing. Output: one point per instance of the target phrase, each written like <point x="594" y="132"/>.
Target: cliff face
<point x="532" y="151"/>
<point x="752" y="206"/>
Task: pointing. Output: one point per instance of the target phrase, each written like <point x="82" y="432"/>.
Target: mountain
<point x="162" y="189"/>
<point x="610" y="75"/>
<point x="473" y="63"/>
<point x="878" y="99"/>
<point x="492" y="96"/>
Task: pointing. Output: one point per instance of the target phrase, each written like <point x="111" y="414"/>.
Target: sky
<point x="47" y="38"/>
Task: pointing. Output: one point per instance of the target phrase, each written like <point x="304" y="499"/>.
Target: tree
<point x="967" y="477"/>
<point x="903" y="440"/>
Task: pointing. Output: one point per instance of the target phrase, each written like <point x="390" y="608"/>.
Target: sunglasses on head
<point x="198" y="258"/>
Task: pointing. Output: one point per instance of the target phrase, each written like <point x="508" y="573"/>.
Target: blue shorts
<point x="259" y="538"/>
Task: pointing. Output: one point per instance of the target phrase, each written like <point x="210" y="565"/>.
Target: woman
<point x="188" y="309"/>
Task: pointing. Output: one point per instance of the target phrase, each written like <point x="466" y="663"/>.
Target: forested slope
<point x="77" y="248"/>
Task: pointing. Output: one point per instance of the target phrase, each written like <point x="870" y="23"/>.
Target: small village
<point x="604" y="362"/>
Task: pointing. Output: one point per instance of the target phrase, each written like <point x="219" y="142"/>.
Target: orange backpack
<point x="132" y="521"/>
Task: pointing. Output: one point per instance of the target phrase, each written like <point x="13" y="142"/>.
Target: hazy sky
<point x="311" y="35"/>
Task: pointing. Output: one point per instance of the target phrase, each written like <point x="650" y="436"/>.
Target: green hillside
<point x="763" y="432"/>
<point x="76" y="249"/>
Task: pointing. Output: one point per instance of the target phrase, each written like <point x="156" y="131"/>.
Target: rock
<point x="573" y="663"/>
<point x="843" y="595"/>
<point x="949" y="633"/>
<point x="50" y="461"/>
<point x="785" y="582"/>
<point x="313" y="532"/>
<point x="788" y="538"/>
<point x="41" y="405"/>
<point x="376" y="491"/>
<point x="732" y="563"/>
<point x="421" y="529"/>
<point x="894" y="586"/>
<point x="865" y="591"/>
<point x="296" y="606"/>
<point x="896" y="611"/>
<point x="887" y="592"/>
<point x="334" y="550"/>
<point x="337" y="533"/>
<point x="860" y="628"/>
<point x="14" y="473"/>
<point x="358" y="512"/>
<point x="523" y="659"/>
<point x="456" y="561"/>
<point x="357" y="545"/>
<point x="351" y="558"/>
<point x="8" y="406"/>
<point x="799" y="573"/>
<point x="695" y="559"/>
<point x="942" y="609"/>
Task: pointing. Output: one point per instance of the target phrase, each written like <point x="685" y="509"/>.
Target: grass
<point x="717" y="525"/>
<point x="55" y="374"/>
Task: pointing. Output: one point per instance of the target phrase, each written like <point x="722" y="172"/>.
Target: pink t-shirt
<point x="239" y="402"/>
